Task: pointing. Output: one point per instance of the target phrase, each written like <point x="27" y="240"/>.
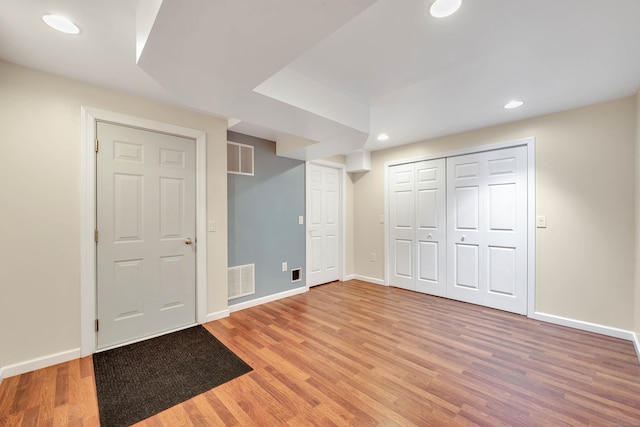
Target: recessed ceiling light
<point x="444" y="8"/>
<point x="382" y="137"/>
<point x="513" y="104"/>
<point x="61" y="24"/>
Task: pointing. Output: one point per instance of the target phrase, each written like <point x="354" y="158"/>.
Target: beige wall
<point x="585" y="176"/>
<point x="40" y="205"/>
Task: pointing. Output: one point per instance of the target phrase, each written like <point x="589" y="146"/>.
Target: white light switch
<point x="284" y="266"/>
<point x="541" y="221"/>
<point x="211" y="226"/>
<point x="300" y="220"/>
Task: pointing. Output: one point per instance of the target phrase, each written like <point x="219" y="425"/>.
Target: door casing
<point x="531" y="205"/>
<point x="89" y="118"/>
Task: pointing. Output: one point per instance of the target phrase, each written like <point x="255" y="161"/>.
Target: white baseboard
<point x="349" y="277"/>
<point x="268" y="298"/>
<point x="40" y="362"/>
<point x="369" y="279"/>
<point x="636" y="344"/>
<point x="217" y="315"/>
<point x="1" y="375"/>
<point x="585" y="326"/>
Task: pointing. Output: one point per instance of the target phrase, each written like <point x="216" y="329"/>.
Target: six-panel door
<point x="146" y="225"/>
<point x="323" y="224"/>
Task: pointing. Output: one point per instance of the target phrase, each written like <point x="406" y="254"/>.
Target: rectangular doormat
<point x="139" y="380"/>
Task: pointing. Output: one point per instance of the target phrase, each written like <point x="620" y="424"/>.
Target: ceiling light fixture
<point x="61" y="24"/>
<point x="513" y="104"/>
<point x="444" y="8"/>
<point x="382" y="137"/>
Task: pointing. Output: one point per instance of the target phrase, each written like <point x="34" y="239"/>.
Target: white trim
<point x="217" y="315"/>
<point x="636" y="344"/>
<point x="370" y="280"/>
<point x="584" y="326"/>
<point x="89" y="118"/>
<point x="268" y="298"/>
<point x="343" y="215"/>
<point x="531" y="204"/>
<point x="349" y="277"/>
<point x="39" y="363"/>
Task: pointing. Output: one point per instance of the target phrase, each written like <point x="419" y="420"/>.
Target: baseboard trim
<point x="585" y="326"/>
<point x="40" y="362"/>
<point x="349" y="277"/>
<point x="369" y="279"/>
<point x="217" y="315"/>
<point x="268" y="298"/>
<point x="1" y="375"/>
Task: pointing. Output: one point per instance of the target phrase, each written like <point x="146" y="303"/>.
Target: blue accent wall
<point x="263" y="218"/>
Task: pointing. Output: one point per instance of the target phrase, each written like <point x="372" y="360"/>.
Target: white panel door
<point x="505" y="229"/>
<point x="487" y="229"/>
<point x="146" y="227"/>
<point x="430" y="227"/>
<point x="323" y="224"/>
<point x="402" y="226"/>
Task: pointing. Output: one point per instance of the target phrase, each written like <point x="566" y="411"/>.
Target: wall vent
<point x="242" y="280"/>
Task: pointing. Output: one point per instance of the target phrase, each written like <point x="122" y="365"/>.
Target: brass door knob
<point x="188" y="241"/>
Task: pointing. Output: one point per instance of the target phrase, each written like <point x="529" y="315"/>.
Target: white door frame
<point x="342" y="173"/>
<point x="531" y="205"/>
<point x="89" y="118"/>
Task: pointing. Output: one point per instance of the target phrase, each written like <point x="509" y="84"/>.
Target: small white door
<point x="402" y="228"/>
<point x="146" y="232"/>
<point x="323" y="224"/>
<point x="431" y="227"/>
<point x="487" y="229"/>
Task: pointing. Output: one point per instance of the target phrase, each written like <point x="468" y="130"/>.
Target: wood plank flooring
<point x="360" y="354"/>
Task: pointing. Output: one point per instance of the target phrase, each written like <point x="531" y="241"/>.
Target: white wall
<point x="40" y="205"/>
<point x="585" y="176"/>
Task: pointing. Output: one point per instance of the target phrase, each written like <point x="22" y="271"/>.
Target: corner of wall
<point x="636" y="305"/>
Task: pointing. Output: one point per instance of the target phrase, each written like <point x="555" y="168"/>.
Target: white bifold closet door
<point x="417" y="218"/>
<point x="487" y="229"/>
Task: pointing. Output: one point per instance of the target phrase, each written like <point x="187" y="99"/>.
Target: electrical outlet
<point x="373" y="257"/>
<point x="284" y="266"/>
<point x="211" y="226"/>
<point x="301" y="220"/>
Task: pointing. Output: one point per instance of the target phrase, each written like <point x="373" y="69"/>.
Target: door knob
<point x="188" y="241"/>
<point x="429" y="237"/>
<point x="463" y="238"/>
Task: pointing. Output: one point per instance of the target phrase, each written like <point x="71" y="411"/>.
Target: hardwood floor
<point x="360" y="354"/>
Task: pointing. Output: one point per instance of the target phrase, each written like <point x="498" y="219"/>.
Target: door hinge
<point x="97" y="325"/>
<point x="97" y="146"/>
<point x="96" y="236"/>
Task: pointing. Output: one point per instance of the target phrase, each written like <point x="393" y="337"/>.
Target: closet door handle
<point x="463" y="238"/>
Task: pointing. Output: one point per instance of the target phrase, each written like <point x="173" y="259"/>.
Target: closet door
<point x="487" y="234"/>
<point x="402" y="230"/>
<point x="431" y="229"/>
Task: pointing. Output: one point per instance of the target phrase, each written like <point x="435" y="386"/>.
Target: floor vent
<point x="242" y="281"/>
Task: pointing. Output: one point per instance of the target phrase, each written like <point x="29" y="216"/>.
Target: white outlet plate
<point x="284" y="266"/>
<point x="541" y="221"/>
<point x="211" y="226"/>
<point x="300" y="220"/>
<point x="373" y="256"/>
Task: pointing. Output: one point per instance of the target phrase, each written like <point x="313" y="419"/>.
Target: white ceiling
<point x="325" y="77"/>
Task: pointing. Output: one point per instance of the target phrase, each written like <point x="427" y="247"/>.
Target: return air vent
<point x="242" y="281"/>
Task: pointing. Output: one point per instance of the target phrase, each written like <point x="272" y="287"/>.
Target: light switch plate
<point x="211" y="226"/>
<point x="284" y="266"/>
<point x="300" y="220"/>
<point x="541" y="221"/>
